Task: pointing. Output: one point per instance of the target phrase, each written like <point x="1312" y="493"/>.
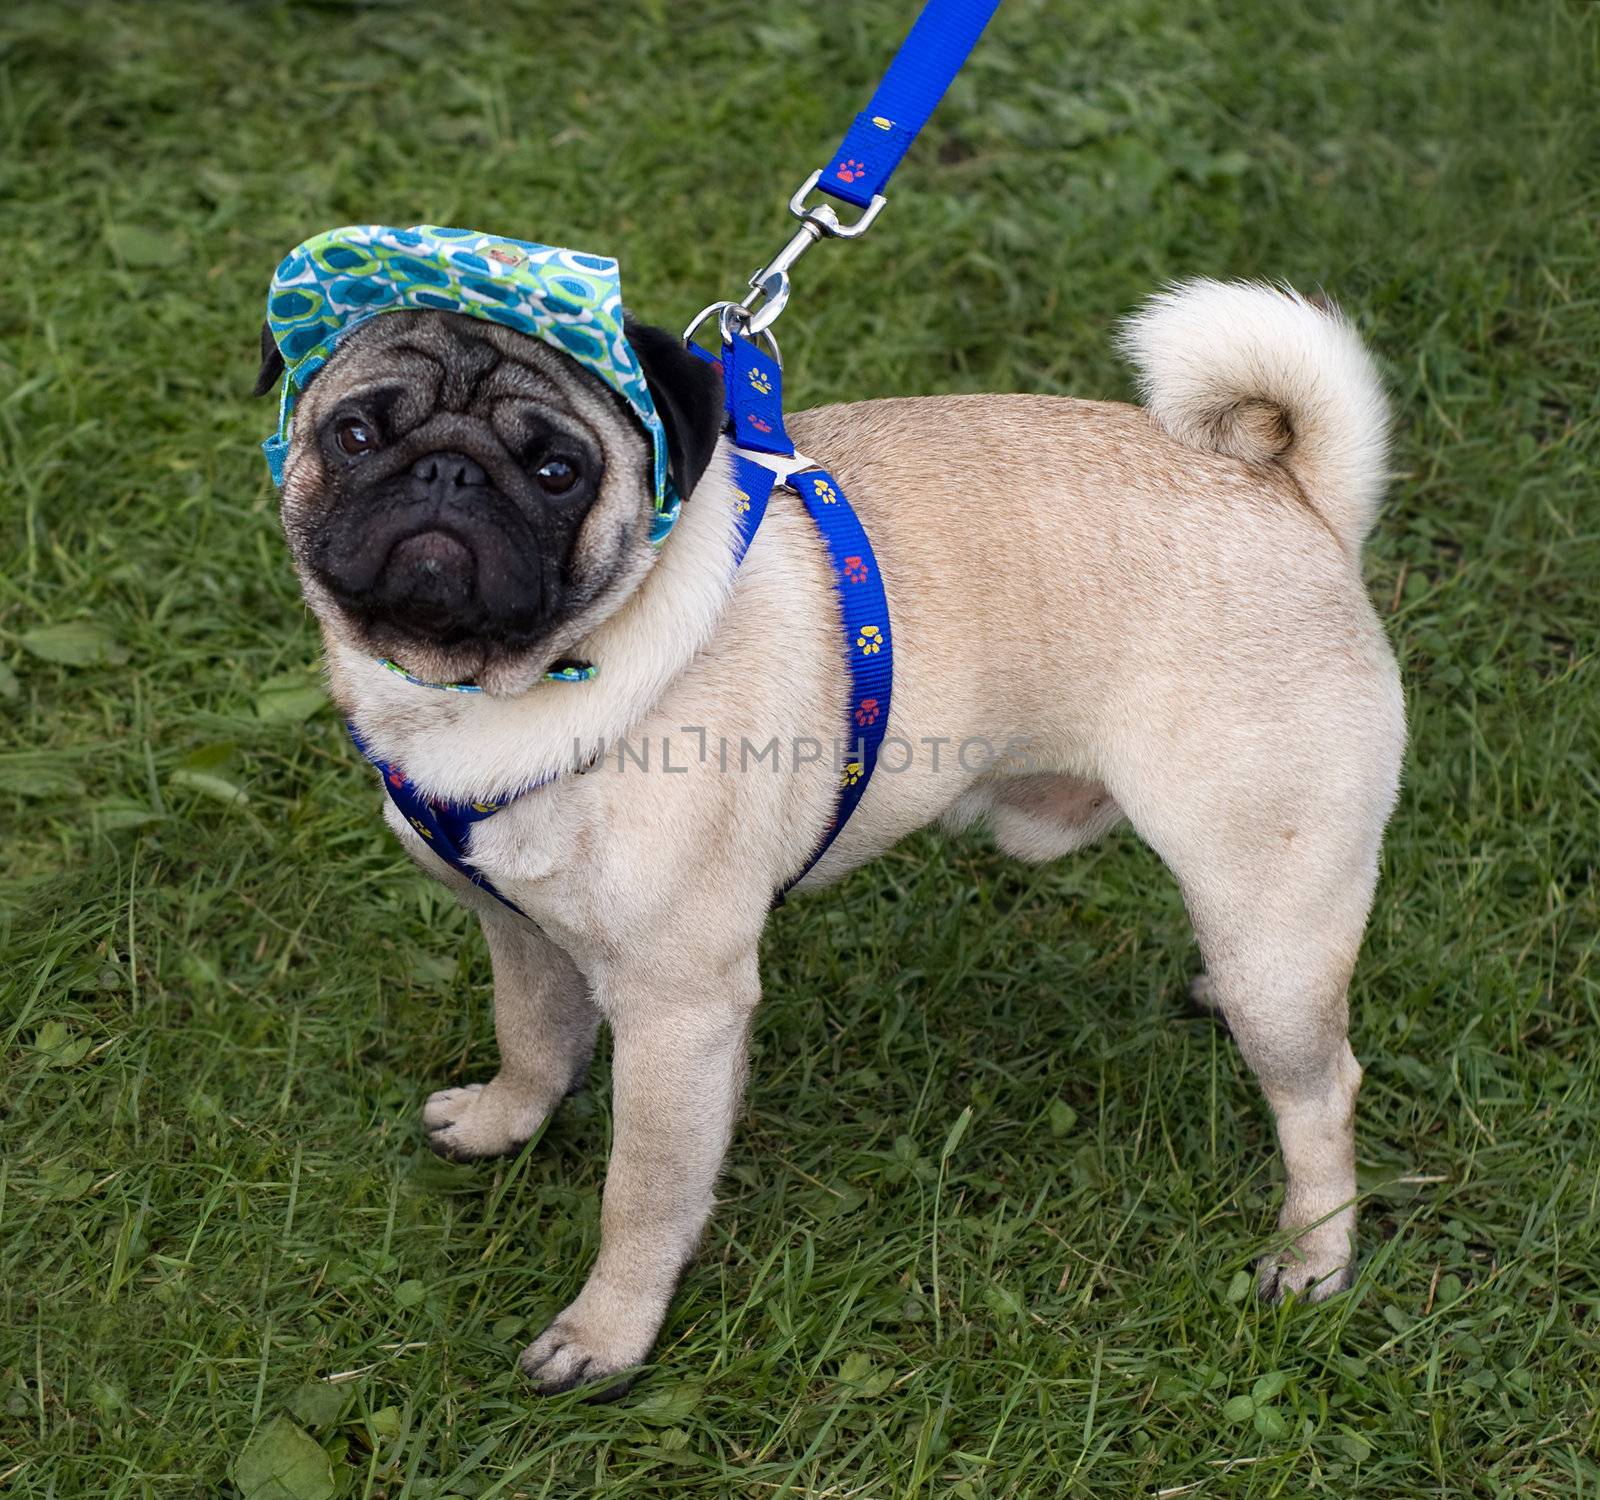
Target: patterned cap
<point x="337" y="280"/>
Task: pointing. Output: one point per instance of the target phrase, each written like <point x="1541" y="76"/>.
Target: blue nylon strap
<point x="442" y="826"/>
<point x="753" y="392"/>
<point x="753" y="488"/>
<point x="930" y="57"/>
<point x="864" y="614"/>
<point x="752" y="384"/>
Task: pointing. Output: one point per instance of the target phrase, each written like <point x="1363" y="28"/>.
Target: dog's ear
<point x="687" y="391"/>
<point x="271" y="362"/>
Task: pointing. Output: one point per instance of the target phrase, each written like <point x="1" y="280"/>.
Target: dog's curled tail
<point x="1261" y="374"/>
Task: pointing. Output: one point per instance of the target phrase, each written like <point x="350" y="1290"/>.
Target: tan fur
<point x="1180" y="636"/>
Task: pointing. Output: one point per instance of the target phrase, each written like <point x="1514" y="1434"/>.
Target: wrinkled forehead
<point x="426" y="362"/>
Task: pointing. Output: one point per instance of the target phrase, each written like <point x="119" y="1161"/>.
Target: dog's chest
<point x="536" y="852"/>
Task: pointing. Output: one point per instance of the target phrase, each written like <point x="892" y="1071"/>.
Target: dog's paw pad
<point x="565" y="1356"/>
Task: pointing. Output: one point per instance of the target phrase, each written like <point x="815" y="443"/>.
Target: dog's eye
<point x="556" y="476"/>
<point x="356" y="437"/>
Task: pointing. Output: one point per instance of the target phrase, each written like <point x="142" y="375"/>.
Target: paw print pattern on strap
<point x="864" y="618"/>
<point x="444" y="826"/>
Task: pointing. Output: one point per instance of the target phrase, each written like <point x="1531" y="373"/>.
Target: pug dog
<point x="1163" y="604"/>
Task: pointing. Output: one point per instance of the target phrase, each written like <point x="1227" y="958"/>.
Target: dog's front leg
<point x="544" y="1022"/>
<point x="678" y="1073"/>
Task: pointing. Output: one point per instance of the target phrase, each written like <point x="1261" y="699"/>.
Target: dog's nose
<point x="445" y="473"/>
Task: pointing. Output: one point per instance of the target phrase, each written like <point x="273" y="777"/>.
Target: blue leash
<point x="923" y="69"/>
<point x="939" y="42"/>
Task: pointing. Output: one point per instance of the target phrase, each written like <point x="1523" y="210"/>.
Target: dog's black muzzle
<point x="441" y="552"/>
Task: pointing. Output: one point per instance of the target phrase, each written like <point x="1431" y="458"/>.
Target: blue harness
<point x="764" y="457"/>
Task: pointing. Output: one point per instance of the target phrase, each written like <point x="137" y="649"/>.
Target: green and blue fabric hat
<point x="336" y="280"/>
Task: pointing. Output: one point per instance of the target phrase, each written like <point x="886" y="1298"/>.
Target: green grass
<point x="221" y="1016"/>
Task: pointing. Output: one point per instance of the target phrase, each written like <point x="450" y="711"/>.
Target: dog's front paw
<point x="577" y="1350"/>
<point x="1319" y="1264"/>
<point x="480" y="1121"/>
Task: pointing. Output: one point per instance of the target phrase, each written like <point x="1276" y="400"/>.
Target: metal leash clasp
<point x="770" y="286"/>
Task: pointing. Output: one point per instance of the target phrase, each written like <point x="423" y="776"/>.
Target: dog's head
<point x="471" y="502"/>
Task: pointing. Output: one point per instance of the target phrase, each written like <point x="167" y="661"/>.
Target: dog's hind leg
<point x="1279" y="971"/>
<point x="1277" y="868"/>
<point x="544" y="1021"/>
